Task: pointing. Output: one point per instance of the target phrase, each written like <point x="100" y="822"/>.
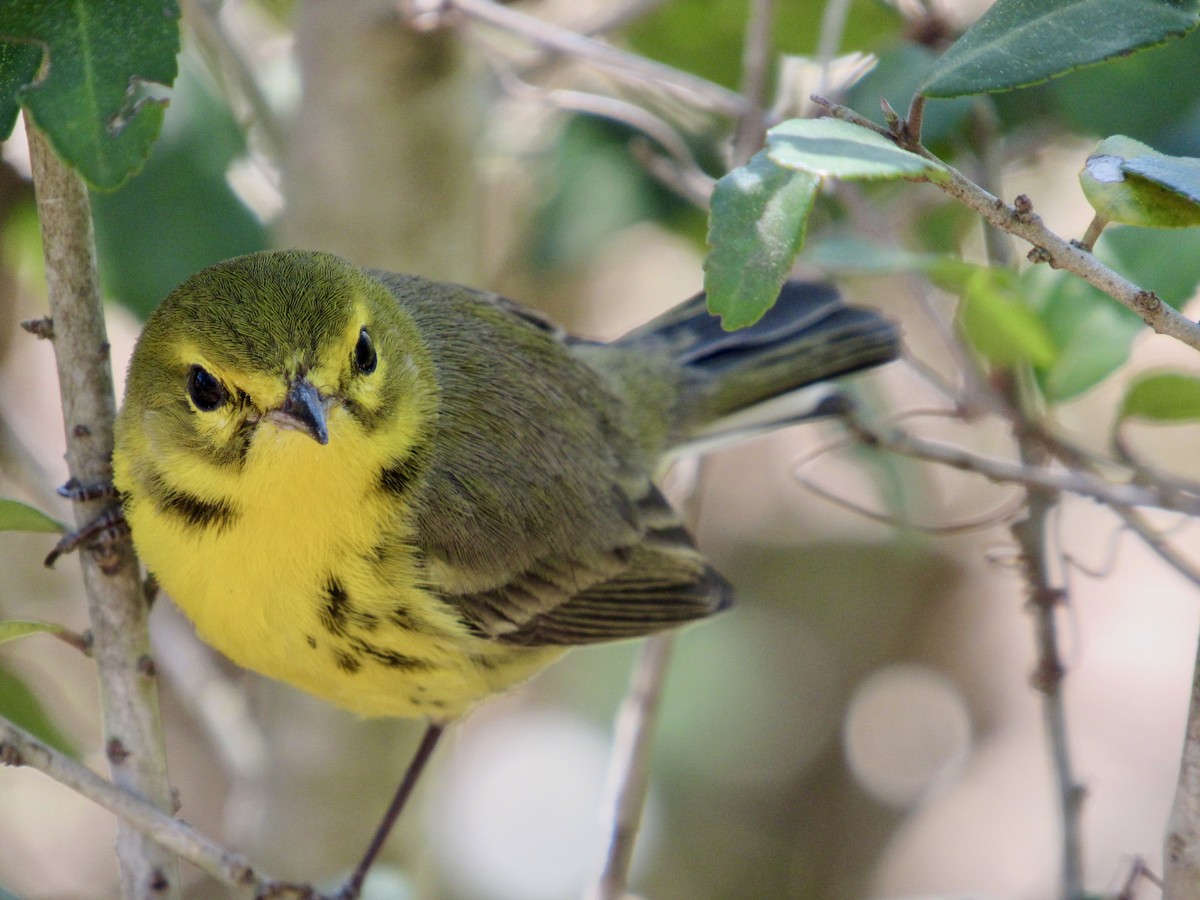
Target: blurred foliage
<point x="178" y="214"/>
<point x="705" y="36"/>
<point x="592" y="190"/>
<point x="21" y="706"/>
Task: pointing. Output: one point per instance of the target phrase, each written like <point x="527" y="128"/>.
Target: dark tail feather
<point x="810" y="335"/>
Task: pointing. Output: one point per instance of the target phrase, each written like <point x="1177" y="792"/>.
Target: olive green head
<point x="292" y="341"/>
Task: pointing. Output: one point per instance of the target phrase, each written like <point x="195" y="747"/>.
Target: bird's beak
<point x="303" y="409"/>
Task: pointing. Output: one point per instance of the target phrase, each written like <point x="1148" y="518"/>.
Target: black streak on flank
<point x="195" y="512"/>
<point x="346" y="662"/>
<point x="312" y="641"/>
<point x="390" y="658"/>
<point x="336" y="607"/>
<point x="397" y="479"/>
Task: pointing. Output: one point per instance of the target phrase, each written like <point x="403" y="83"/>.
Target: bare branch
<point x="629" y="66"/>
<point x="1181" y="849"/>
<point x="1032" y="476"/>
<point x="121" y="648"/>
<point x="19" y="748"/>
<point x="629" y="769"/>
<point x="1045" y="600"/>
<point x="228" y="67"/>
<point x="756" y="61"/>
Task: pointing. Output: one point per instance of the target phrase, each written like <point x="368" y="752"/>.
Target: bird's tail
<point x="809" y="336"/>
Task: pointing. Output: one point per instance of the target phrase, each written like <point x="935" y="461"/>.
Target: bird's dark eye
<point x="365" y="357"/>
<point x="204" y="389"/>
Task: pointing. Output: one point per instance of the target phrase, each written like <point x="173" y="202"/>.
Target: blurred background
<point x="862" y="723"/>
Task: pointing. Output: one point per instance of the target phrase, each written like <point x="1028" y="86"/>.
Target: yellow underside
<point x="256" y="589"/>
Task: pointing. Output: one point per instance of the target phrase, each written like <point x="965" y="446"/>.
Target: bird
<point x="405" y="496"/>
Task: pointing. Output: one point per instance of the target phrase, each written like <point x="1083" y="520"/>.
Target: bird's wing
<point x="657" y="581"/>
<point x="535" y="514"/>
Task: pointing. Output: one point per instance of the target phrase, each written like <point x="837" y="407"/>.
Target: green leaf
<point x="843" y="150"/>
<point x="1022" y="42"/>
<point x="756" y="228"/>
<point x="89" y="94"/>
<point x="18" y="628"/>
<point x="995" y="318"/>
<point x="18" y="67"/>
<point x="1092" y="331"/>
<point x="18" y="516"/>
<point x="1163" y="397"/>
<point x="21" y="706"/>
<point x="1128" y="182"/>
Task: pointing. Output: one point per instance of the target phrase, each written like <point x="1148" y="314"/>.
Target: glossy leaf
<point x="1128" y="182"/>
<point x="18" y="516"/>
<point x="756" y="228"/>
<point x="18" y="66"/>
<point x="1022" y="42"/>
<point x="89" y="96"/>
<point x="843" y="150"/>
<point x="1163" y="397"/>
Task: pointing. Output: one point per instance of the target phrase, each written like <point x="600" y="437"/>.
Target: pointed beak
<point x="303" y="409"/>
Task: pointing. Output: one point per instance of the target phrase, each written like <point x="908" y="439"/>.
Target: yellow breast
<point x="299" y="566"/>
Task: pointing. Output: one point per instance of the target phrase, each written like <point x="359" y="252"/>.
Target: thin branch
<point x="833" y="27"/>
<point x="756" y="62"/>
<point x="1181" y="848"/>
<point x="1045" y="599"/>
<point x="629" y="768"/>
<point x="1048" y="246"/>
<point x="629" y="66"/>
<point x="613" y="108"/>
<point x="133" y="736"/>
<point x="1038" y="477"/>
<point x="228" y="67"/>
<point x="1158" y="544"/>
<point x="20" y="748"/>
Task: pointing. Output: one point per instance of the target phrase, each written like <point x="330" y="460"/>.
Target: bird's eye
<point x="204" y="389"/>
<point x="365" y="358"/>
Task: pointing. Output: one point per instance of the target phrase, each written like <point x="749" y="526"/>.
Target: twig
<point x="623" y="64"/>
<point x="1048" y="246"/>
<point x="1181" y="849"/>
<point x="613" y="108"/>
<point x="228" y="67"/>
<point x="833" y="26"/>
<point x="751" y="131"/>
<point x="628" y="772"/>
<point x="20" y="748"/>
<point x="133" y="736"/>
<point x="1038" y="477"/>
<point x="1045" y="599"/>
<point x="691" y="183"/>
